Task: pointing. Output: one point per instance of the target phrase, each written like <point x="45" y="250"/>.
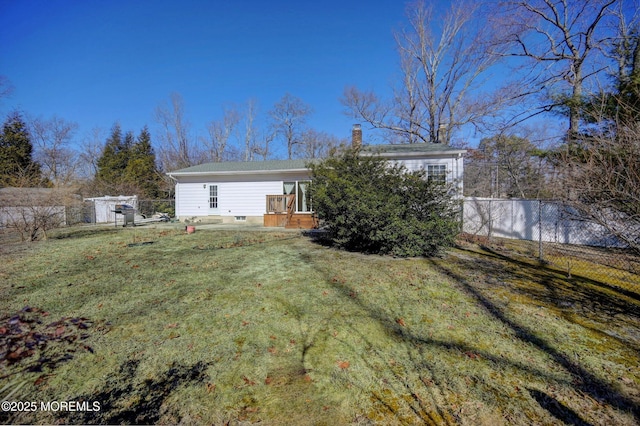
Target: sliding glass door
<point x="303" y="196"/>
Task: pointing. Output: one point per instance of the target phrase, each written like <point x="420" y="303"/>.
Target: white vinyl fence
<point x="535" y="220"/>
<point x="11" y="216"/>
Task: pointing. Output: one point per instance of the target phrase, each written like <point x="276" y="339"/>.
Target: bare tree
<point x="599" y="167"/>
<point x="262" y="147"/>
<point x="514" y="165"/>
<point x="6" y="88"/>
<point x="444" y="61"/>
<point x="220" y="133"/>
<point x="176" y="150"/>
<point x="92" y="146"/>
<point x="601" y="180"/>
<point x="250" y="130"/>
<point x="288" y="118"/>
<point x="562" y="38"/>
<point x="52" y="139"/>
<point x="623" y="47"/>
<point x="316" y="144"/>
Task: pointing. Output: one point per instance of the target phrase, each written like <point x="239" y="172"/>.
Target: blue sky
<point x="97" y="62"/>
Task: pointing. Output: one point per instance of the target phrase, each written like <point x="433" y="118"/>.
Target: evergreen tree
<point x="141" y="170"/>
<point x="114" y="158"/>
<point x="128" y="165"/>
<point x="629" y="77"/>
<point x="600" y="168"/>
<point x="17" y="167"/>
<point x="372" y="206"/>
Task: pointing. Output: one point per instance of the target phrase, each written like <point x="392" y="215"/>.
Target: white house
<point x="275" y="192"/>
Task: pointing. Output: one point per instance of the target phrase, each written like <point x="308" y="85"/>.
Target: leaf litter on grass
<point x="31" y="342"/>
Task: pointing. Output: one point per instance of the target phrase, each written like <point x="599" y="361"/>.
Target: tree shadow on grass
<point x="424" y="399"/>
<point x="543" y="268"/>
<point x="576" y="296"/>
<point x="557" y="409"/>
<point x="409" y="398"/>
<point x="406" y="400"/>
<point x="585" y="381"/>
<point x="123" y="401"/>
<point x="430" y="410"/>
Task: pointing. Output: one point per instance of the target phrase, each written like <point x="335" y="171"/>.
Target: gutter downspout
<point x="175" y="196"/>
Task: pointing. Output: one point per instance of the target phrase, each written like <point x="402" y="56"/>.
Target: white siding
<point x="237" y="195"/>
<point x="192" y="199"/>
<point x="454" y="167"/>
<point x="246" y="198"/>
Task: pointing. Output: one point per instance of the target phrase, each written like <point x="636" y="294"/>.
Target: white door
<point x="213" y="199"/>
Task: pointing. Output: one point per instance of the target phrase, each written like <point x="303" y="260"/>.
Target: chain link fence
<point x="555" y="234"/>
<point x="150" y="207"/>
<point x="85" y="212"/>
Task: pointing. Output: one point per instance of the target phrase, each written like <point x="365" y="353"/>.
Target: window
<point x="213" y="196"/>
<point x="241" y="218"/>
<point x="301" y="191"/>
<point x="303" y="196"/>
<point x="437" y="173"/>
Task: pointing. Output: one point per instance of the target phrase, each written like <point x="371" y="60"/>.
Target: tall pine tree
<point x="17" y="167"/>
<point x="128" y="165"/>
<point x="113" y="161"/>
<point x="141" y="170"/>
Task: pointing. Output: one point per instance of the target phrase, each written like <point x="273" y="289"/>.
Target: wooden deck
<point x="281" y="213"/>
<point x="295" y="221"/>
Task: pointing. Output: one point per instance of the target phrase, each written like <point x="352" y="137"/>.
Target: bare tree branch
<point x="444" y="68"/>
<point x="562" y="33"/>
<point x="288" y="118"/>
<point x="176" y="149"/>
<point x="52" y="139"/>
<point x="220" y="132"/>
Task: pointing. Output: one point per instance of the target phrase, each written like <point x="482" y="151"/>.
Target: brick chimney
<point x="356" y="136"/>
<point x="442" y="132"/>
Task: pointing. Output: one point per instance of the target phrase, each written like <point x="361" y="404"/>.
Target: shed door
<point x="213" y="199"/>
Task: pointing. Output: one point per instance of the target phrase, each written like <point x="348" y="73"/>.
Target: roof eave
<point x="451" y="153"/>
<point x="236" y="172"/>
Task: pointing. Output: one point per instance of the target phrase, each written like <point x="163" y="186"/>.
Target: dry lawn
<point x="232" y="327"/>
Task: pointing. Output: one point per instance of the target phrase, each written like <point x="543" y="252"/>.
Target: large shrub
<point x="370" y="205"/>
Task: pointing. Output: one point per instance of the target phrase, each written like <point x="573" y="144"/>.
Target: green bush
<point x="370" y="205"/>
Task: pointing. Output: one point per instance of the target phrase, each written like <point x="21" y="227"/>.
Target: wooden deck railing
<point x="281" y="203"/>
<point x="291" y="208"/>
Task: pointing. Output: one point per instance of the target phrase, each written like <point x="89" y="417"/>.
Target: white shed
<point x="104" y="206"/>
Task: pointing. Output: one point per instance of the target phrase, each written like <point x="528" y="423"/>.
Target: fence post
<point x="540" y="253"/>
<point x="490" y="231"/>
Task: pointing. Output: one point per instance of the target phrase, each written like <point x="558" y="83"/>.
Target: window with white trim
<point x="437" y="173"/>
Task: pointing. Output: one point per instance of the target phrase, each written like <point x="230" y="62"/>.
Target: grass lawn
<point x="236" y="327"/>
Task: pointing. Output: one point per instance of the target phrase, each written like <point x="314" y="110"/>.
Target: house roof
<point x="412" y="149"/>
<point x="234" y="167"/>
<point x="21" y="197"/>
<point x="272" y="166"/>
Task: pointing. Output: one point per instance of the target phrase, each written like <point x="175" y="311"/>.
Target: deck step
<point x="301" y="221"/>
<point x="297" y="221"/>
